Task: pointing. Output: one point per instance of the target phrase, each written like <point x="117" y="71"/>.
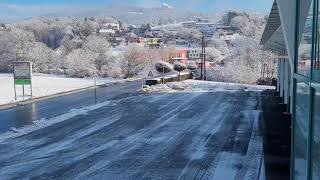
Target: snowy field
<point x="196" y="130"/>
<point x="44" y="85"/>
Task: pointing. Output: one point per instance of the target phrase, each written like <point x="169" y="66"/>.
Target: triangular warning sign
<point x="150" y="74"/>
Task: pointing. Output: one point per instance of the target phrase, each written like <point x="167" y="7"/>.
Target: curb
<point x="43" y="98"/>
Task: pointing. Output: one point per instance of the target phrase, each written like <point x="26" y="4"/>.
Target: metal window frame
<point x="315" y="76"/>
<point x="295" y="67"/>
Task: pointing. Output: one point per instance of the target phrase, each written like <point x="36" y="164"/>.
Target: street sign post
<point x="150" y="74"/>
<point x="22" y="71"/>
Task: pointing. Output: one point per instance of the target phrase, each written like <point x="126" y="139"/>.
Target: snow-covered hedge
<point x="179" y="67"/>
<point x="163" y="67"/>
<point x="192" y="66"/>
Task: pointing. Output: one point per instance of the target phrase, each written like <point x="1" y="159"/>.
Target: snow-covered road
<point x="167" y="135"/>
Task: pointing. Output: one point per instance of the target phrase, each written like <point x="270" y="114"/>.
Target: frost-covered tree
<point x="69" y="44"/>
<point x="192" y="66"/>
<point x="102" y="20"/>
<point x="15" y="45"/>
<point x="80" y="63"/>
<point x="163" y="67"/>
<point x="228" y="16"/>
<point x="220" y="45"/>
<point x="213" y="55"/>
<point x="44" y="59"/>
<point x="132" y="60"/>
<point x="46" y="31"/>
<point x="179" y="67"/>
<point x="247" y="64"/>
<point x="240" y="23"/>
<point x="101" y="48"/>
<point x="82" y="29"/>
<point x="7" y="52"/>
<point x="192" y="35"/>
<point x="152" y="57"/>
<point x="248" y="24"/>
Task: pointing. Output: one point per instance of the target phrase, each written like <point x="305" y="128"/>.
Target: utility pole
<point x="95" y="89"/>
<point x="203" y="61"/>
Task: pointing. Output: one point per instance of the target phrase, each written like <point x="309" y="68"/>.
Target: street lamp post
<point x="95" y="89"/>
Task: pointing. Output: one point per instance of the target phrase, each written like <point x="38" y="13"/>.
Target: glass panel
<point x="305" y="46"/>
<point x="316" y="137"/>
<point x="316" y="72"/>
<point x="301" y="131"/>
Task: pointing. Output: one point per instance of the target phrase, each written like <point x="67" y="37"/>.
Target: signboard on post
<point x="22" y="71"/>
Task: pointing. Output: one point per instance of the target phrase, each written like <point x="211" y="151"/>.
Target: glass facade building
<point x="306" y="119"/>
<point x="293" y="31"/>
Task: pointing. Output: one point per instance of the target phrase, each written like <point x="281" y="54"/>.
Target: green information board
<point x="22" y="81"/>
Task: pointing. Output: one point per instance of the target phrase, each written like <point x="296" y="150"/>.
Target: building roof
<point x="111" y="24"/>
<point x="272" y="25"/>
<point x="273" y="37"/>
<point x="106" y="31"/>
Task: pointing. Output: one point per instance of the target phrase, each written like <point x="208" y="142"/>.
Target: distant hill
<point x="127" y="14"/>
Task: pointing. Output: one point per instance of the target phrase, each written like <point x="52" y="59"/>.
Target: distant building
<point x="107" y="32"/>
<point x="116" y="41"/>
<point x="182" y="42"/>
<point x="189" y="24"/>
<point x="133" y="40"/>
<point x="203" y="25"/>
<point x="154" y="43"/>
<point x="207" y="29"/>
<point x="194" y="53"/>
<point x="180" y="55"/>
<point x="227" y="30"/>
<point x="3" y="27"/>
<point x="113" y="26"/>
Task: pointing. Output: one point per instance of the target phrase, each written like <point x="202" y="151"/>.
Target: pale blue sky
<point x="197" y="5"/>
<point x="11" y="9"/>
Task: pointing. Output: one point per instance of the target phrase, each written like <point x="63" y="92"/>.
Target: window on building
<point x="305" y="44"/>
<point x="301" y="130"/>
<point x="316" y="136"/>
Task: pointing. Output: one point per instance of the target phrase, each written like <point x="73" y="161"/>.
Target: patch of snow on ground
<point x="196" y="85"/>
<point x="215" y="86"/>
<point x="156" y="88"/>
<point x="44" y="85"/>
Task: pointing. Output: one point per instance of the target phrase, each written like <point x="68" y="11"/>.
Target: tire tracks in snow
<point x="131" y="142"/>
<point x="217" y="141"/>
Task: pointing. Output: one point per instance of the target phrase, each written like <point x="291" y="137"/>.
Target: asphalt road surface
<point x="24" y="115"/>
<point x="175" y="135"/>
